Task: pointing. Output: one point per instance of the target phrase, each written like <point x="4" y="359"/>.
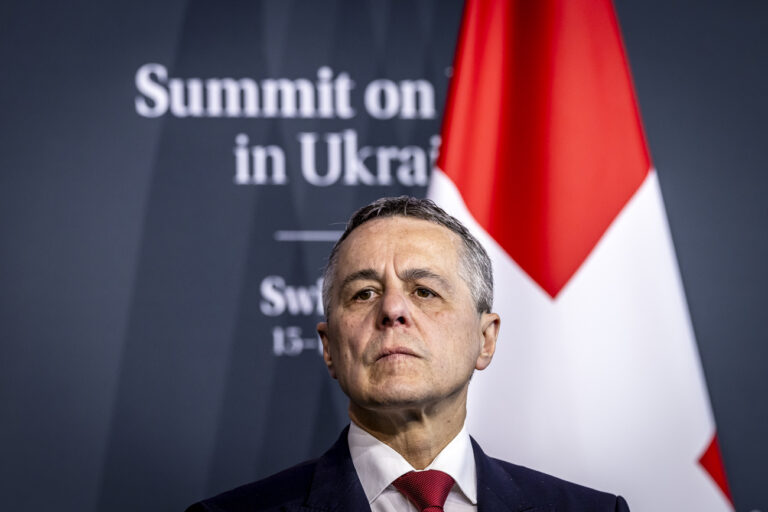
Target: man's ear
<point x="322" y="330"/>
<point x="489" y="329"/>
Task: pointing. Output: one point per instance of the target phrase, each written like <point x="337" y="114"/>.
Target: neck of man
<point x="418" y="433"/>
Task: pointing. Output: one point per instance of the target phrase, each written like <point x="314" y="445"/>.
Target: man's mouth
<point x="395" y="352"/>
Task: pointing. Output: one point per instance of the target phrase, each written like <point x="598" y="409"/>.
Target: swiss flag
<point x="596" y="377"/>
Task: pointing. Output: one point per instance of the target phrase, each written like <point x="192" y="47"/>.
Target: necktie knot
<point x="425" y="489"/>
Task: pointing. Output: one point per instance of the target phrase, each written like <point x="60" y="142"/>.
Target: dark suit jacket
<point x="330" y="483"/>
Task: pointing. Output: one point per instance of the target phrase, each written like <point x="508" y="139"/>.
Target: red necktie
<point x="426" y="489"/>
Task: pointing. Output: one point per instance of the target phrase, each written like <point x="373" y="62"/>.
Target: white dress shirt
<point x="378" y="465"/>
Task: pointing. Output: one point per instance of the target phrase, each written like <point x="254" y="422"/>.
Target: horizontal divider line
<point x="307" y="236"/>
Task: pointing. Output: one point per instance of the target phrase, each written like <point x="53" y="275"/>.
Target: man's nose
<point x="394" y="309"/>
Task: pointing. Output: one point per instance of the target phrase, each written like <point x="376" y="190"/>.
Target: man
<point x="407" y="295"/>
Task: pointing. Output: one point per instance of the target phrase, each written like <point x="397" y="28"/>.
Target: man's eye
<point x="424" y="293"/>
<point x="364" y="295"/>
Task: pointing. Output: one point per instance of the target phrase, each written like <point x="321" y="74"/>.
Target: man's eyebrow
<point x="416" y="274"/>
<point x="410" y="275"/>
<point x="366" y="274"/>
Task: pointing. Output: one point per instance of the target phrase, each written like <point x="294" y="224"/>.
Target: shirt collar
<point x="378" y="464"/>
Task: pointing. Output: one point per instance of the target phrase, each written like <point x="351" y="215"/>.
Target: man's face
<point x="403" y="329"/>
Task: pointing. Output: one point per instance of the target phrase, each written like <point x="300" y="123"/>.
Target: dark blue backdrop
<point x="150" y="313"/>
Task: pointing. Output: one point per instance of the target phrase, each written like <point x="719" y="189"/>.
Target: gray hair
<point x="475" y="266"/>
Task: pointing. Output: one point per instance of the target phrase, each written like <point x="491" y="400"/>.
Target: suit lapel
<point x="496" y="489"/>
<point x="336" y="488"/>
<point x="335" y="485"/>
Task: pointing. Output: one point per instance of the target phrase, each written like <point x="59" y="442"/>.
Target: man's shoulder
<point x="555" y="492"/>
<point x="289" y="486"/>
<point x="327" y="482"/>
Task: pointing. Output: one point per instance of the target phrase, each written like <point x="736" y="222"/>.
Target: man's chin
<point x="399" y="397"/>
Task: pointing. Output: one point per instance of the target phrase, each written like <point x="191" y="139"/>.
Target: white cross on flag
<point x="596" y="377"/>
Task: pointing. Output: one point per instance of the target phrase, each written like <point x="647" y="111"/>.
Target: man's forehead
<point x="409" y="242"/>
<point x="401" y="234"/>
